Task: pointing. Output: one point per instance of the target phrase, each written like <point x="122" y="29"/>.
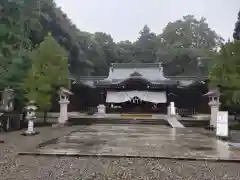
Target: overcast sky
<point x="123" y="19"/>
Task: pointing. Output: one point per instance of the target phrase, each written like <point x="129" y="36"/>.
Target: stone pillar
<point x="169" y="110"/>
<point x="63" y="116"/>
<point x="214" y="105"/>
<point x="30" y="126"/>
<point x="172" y="109"/>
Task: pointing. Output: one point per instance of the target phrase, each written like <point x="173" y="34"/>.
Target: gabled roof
<point x="148" y="71"/>
<point x="151" y="73"/>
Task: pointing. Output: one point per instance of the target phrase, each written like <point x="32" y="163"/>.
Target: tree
<point x="105" y="47"/>
<point x="49" y="71"/>
<point x="126" y="52"/>
<point x="17" y="20"/>
<point x="146" y="46"/>
<point x="26" y="27"/>
<point x="184" y="41"/>
<point x="91" y="54"/>
<point x="190" y="33"/>
<point x="236" y="34"/>
<point x="226" y="73"/>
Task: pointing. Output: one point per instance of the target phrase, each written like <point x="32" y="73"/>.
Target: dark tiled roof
<point x="151" y="72"/>
<point x="121" y="81"/>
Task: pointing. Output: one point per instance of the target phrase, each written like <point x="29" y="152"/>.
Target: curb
<point x="180" y="158"/>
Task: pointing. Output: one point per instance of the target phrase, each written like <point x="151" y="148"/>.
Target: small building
<point x="139" y="88"/>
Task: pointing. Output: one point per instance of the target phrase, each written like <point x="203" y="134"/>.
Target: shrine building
<point x="139" y="88"/>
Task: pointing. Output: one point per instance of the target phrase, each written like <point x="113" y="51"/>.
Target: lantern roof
<point x="213" y="93"/>
<point x="65" y="91"/>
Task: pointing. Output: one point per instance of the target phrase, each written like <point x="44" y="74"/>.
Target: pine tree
<point x="236" y="34"/>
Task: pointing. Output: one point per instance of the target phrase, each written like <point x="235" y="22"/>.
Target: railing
<point x="1" y="122"/>
<point x="186" y="111"/>
<point x="90" y="110"/>
<point x="180" y="111"/>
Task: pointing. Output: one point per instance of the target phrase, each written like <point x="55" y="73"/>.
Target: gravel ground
<point x="14" y="167"/>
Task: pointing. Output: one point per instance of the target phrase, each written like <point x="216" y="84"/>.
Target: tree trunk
<point x="45" y="117"/>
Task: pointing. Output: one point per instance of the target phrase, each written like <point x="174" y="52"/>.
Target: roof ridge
<point x="136" y="65"/>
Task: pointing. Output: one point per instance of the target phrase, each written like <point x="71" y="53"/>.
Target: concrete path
<point x="172" y="120"/>
<point x="139" y="141"/>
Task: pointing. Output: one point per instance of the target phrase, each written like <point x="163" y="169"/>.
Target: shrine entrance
<point x="123" y="102"/>
<point x="136" y="94"/>
<point x="135" y="105"/>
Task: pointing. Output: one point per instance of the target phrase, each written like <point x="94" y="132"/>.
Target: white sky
<point x="123" y="19"/>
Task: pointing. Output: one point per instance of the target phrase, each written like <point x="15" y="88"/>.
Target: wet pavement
<point x="140" y="141"/>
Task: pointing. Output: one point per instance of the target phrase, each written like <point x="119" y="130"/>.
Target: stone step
<point x="136" y="115"/>
<point x="194" y="123"/>
<point x="119" y="121"/>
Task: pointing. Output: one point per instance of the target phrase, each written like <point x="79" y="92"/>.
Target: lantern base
<point x="30" y="133"/>
<point x="223" y="138"/>
<point x="101" y="109"/>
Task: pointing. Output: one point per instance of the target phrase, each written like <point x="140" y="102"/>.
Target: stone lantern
<point x="7" y="104"/>
<point x="63" y="102"/>
<point x="214" y="103"/>
<point x="31" y="117"/>
<point x="7" y="100"/>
